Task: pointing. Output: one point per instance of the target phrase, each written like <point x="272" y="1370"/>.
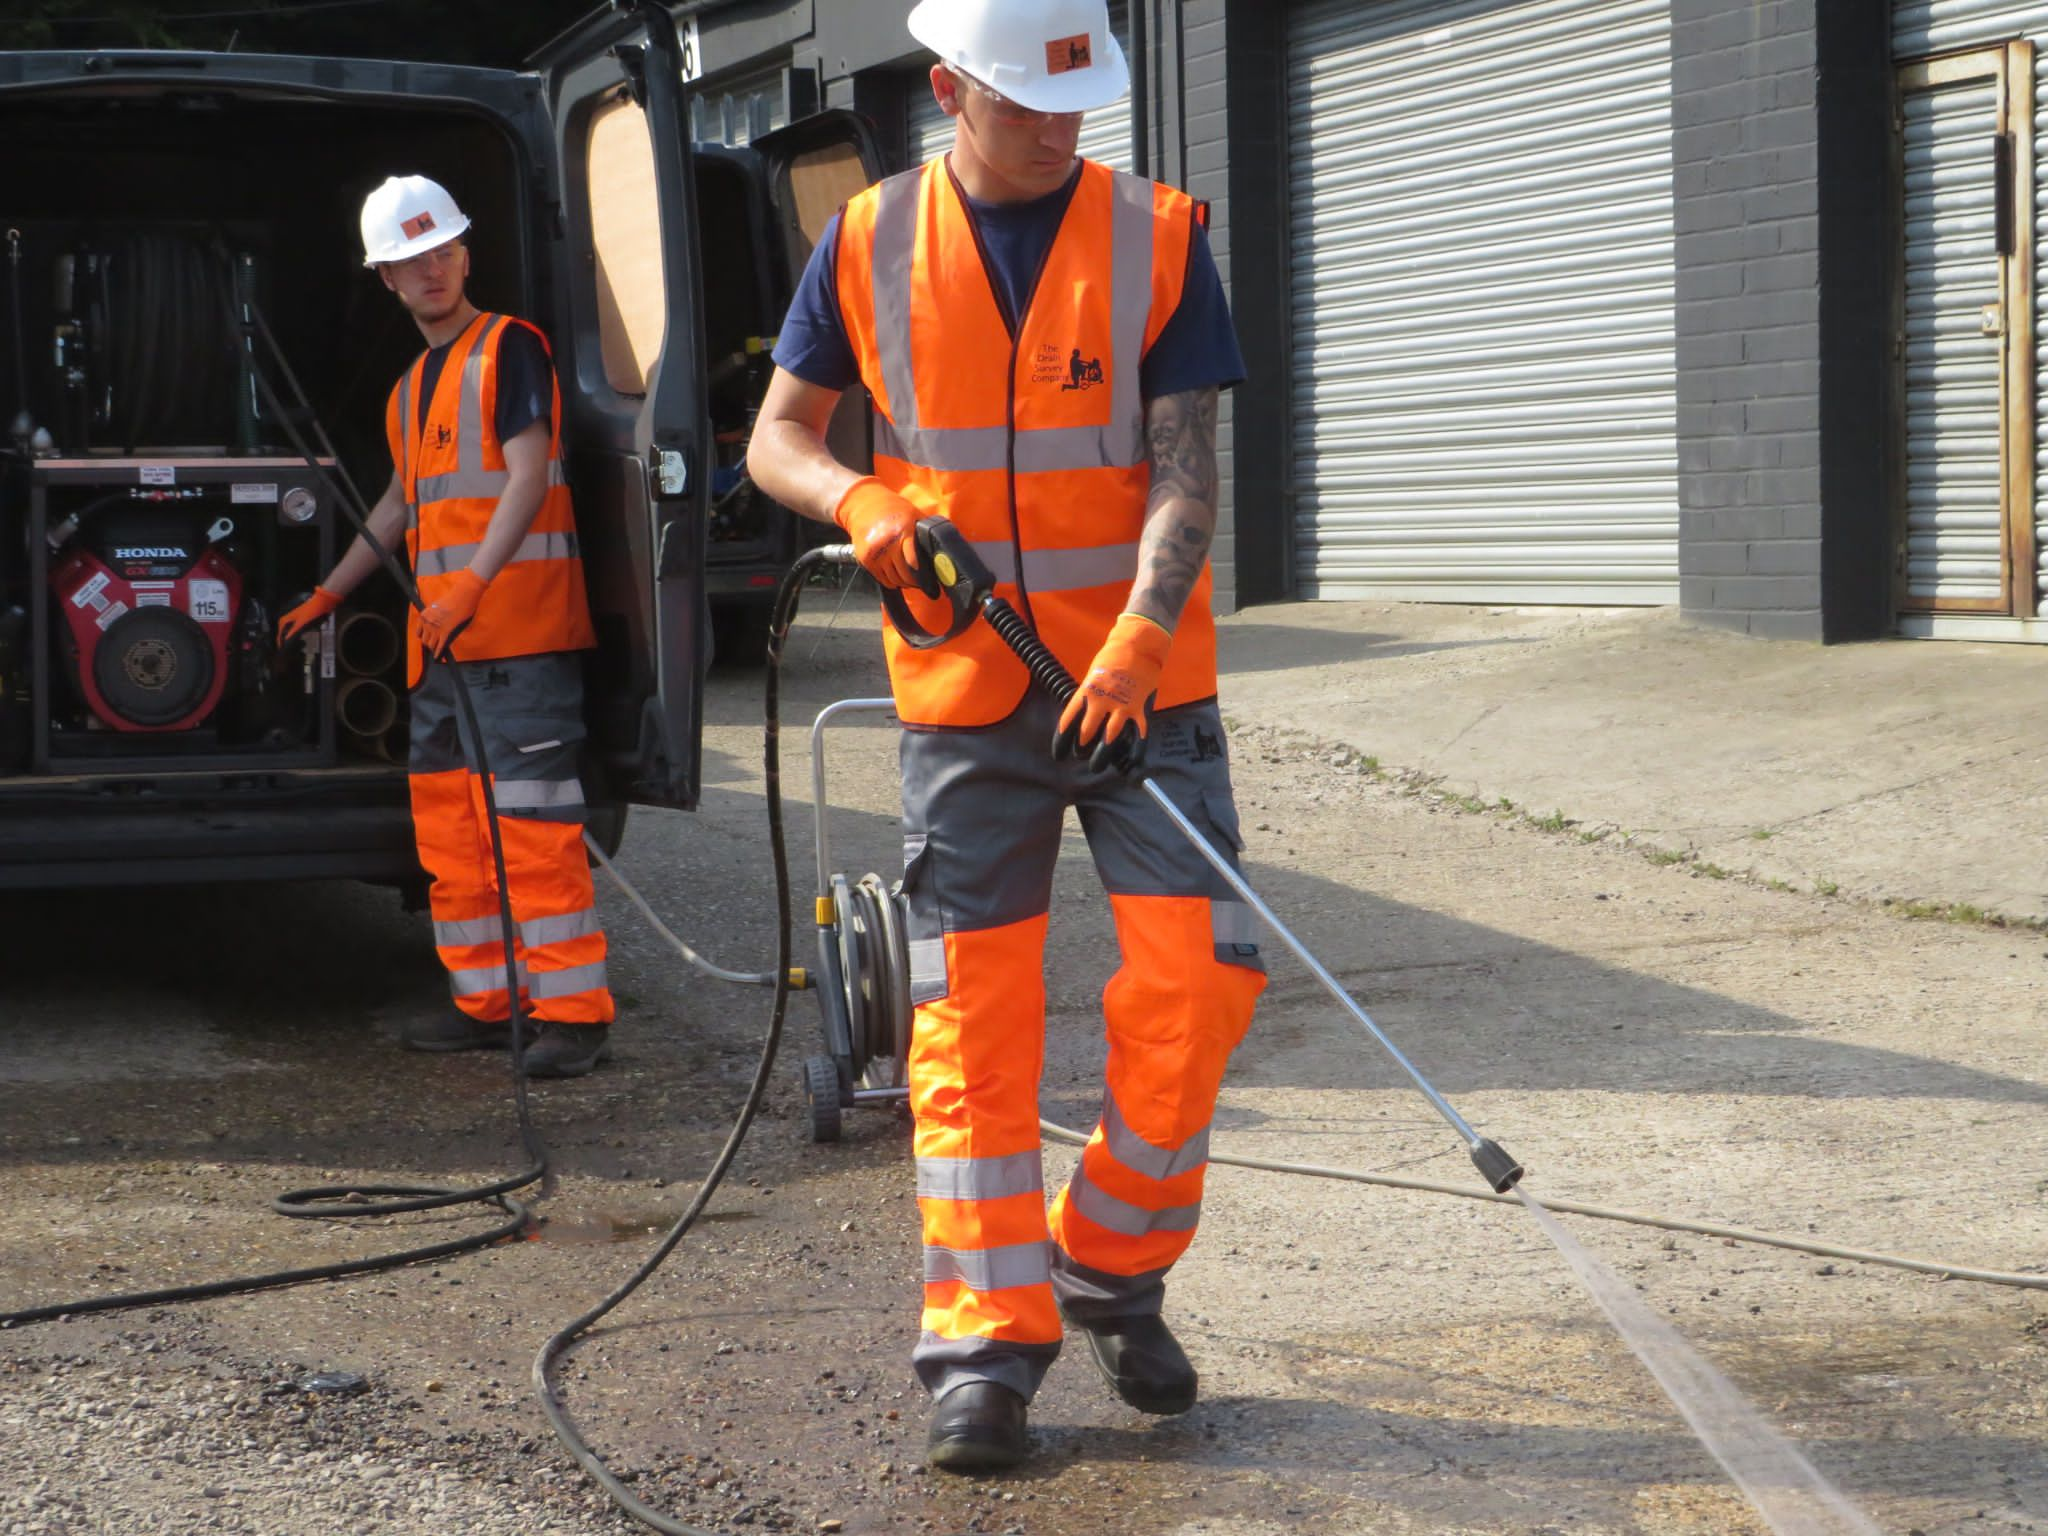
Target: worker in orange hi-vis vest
<point x="474" y="428"/>
<point x="1043" y="340"/>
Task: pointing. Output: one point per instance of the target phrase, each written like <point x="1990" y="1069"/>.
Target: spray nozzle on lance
<point x="1495" y="1164"/>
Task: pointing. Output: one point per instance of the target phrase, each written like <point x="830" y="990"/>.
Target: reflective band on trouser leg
<point x="463" y="896"/>
<point x="554" y="903"/>
<point x="975" y="1059"/>
<point x="1174" y="1015"/>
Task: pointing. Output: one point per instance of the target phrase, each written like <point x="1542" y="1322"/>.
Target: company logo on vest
<point x="1082" y="372"/>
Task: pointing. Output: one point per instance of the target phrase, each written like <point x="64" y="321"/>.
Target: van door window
<point x="625" y="238"/>
<point x="820" y="182"/>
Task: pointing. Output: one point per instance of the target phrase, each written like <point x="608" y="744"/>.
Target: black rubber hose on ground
<point x="565" y="1427"/>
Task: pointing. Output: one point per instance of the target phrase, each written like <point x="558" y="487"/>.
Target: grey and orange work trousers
<point x="530" y="711"/>
<point x="982" y="820"/>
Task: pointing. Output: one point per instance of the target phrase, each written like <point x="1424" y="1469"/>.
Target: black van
<point x="160" y="503"/>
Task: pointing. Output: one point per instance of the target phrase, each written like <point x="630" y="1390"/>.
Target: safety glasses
<point x="1004" y="110"/>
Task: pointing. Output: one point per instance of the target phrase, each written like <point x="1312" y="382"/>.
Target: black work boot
<point x="977" y="1427"/>
<point x="1142" y="1362"/>
<point x="455" y="1032"/>
<point x="567" y="1050"/>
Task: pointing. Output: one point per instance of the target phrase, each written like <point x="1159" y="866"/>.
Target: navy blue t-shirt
<point x="1196" y="349"/>
<point x="526" y="382"/>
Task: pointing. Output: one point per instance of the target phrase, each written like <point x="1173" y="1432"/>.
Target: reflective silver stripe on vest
<point x="406" y="432"/>
<point x="577" y="978"/>
<point x="1106" y="1210"/>
<point x="1140" y="1156"/>
<point x="1118" y="444"/>
<point x="536" y="794"/>
<point x="1131" y="229"/>
<point x="990" y="1269"/>
<point x="895" y="249"/>
<point x="475" y="930"/>
<point x="535" y="546"/>
<point x="554" y="930"/>
<point x="484" y="978"/>
<point x="1232" y="922"/>
<point x="1062" y="570"/>
<point x="478" y="484"/>
<point x="469" y="408"/>
<point x="961" y="449"/>
<point x="980" y="1178"/>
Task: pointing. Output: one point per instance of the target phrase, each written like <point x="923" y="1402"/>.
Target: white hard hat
<point x="408" y="215"/>
<point x="1048" y="55"/>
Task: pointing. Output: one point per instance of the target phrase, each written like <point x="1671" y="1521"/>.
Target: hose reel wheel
<point x="883" y="910"/>
<point x="875" y="967"/>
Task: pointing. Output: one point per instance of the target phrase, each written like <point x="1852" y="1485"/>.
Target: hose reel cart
<point x="863" y="969"/>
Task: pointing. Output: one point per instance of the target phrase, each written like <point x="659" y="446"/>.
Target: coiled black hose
<point x="1046" y="669"/>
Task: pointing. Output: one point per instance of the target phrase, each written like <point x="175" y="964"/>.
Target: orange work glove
<point x="306" y="615"/>
<point x="882" y="526"/>
<point x="1113" y="696"/>
<point x="448" y="615"/>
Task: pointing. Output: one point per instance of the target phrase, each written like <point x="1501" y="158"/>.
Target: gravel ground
<point x="1640" y="1035"/>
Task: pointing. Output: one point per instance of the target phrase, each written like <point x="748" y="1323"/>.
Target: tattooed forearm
<point x="1180" y="513"/>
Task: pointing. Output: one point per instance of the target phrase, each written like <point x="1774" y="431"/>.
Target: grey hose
<point x="718" y="972"/>
<point x="1936" y="1267"/>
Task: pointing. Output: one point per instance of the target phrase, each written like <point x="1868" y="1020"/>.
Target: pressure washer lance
<point x="949" y="567"/>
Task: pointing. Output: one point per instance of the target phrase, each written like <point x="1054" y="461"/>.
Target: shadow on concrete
<point x="1242" y="649"/>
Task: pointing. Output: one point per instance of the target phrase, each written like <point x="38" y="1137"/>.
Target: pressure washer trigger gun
<point x="947" y="567"/>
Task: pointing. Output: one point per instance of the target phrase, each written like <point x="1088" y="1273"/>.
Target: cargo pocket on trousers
<point x="924" y="924"/>
<point x="1233" y="925"/>
<point x="535" y="760"/>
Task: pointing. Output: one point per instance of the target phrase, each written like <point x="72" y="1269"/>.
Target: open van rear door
<point x="811" y="168"/>
<point x="622" y="267"/>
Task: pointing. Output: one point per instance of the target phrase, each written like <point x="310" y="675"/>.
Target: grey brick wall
<point x="1784" y="226"/>
<point x="1745" y="173"/>
<point x="1202" y="116"/>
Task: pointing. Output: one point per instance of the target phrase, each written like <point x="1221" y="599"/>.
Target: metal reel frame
<point x="864" y="965"/>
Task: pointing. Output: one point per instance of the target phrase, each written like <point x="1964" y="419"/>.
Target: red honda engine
<point x="150" y="607"/>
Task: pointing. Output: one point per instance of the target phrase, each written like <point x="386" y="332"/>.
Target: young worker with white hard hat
<point x="1044" y="340"/>
<point x="479" y="495"/>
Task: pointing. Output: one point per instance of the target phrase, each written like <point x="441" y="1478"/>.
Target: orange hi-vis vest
<point x="1034" y="444"/>
<point x="452" y="475"/>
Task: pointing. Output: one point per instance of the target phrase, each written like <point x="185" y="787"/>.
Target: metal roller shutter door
<point x="1105" y="135"/>
<point x="1923" y="27"/>
<point x="1954" y="522"/>
<point x="1484" y="381"/>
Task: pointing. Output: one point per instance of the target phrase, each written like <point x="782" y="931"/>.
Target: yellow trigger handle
<point x="944" y="569"/>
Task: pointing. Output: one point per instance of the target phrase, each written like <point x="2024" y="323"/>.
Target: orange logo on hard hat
<point x="1063" y="54"/>
<point x="417" y="225"/>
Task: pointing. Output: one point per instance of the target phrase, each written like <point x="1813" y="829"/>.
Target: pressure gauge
<point x="298" y="506"/>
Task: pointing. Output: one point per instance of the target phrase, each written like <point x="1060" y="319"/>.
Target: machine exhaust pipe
<point x="366" y="644"/>
<point x="366" y="708"/>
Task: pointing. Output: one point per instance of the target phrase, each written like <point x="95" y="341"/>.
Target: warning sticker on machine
<point x="110" y="613"/>
<point x="88" y="596"/>
<point x="242" y="494"/>
<point x="152" y="599"/>
<point x="159" y="474"/>
<point x="208" y="601"/>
